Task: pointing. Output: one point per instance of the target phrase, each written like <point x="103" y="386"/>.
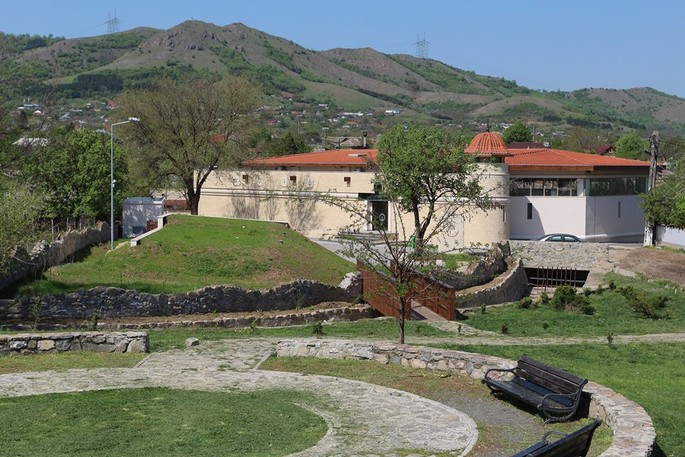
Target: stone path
<point x="363" y="419"/>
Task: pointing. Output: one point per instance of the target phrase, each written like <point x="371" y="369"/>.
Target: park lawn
<point x="612" y="314"/>
<point x="159" y="422"/>
<point x="67" y="360"/>
<point x="367" y="329"/>
<point x="193" y="252"/>
<point x="652" y="375"/>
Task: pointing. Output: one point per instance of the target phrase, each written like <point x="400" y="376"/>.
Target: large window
<point x="615" y="186"/>
<point x="543" y="187"/>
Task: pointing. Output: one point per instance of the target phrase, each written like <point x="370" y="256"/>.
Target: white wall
<point x="550" y="215"/>
<point x="671" y="237"/>
<point x="135" y="214"/>
<point x="605" y="224"/>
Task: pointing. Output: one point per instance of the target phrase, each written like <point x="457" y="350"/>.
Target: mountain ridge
<point x="353" y="79"/>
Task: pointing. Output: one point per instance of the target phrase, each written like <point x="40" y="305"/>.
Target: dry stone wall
<point x="508" y="287"/>
<point x="45" y="255"/>
<point x="40" y="343"/>
<point x="111" y="303"/>
<point x="632" y="428"/>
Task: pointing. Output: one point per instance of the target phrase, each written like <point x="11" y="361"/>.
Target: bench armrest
<point x="557" y="396"/>
<point x="501" y="370"/>
<point x="551" y="433"/>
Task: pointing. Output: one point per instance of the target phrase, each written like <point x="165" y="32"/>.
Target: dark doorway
<point x="379" y="211"/>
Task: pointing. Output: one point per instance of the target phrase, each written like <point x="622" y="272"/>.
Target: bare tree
<point x="189" y="129"/>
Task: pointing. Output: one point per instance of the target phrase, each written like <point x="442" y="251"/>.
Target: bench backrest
<point x="552" y="379"/>
<point x="576" y="444"/>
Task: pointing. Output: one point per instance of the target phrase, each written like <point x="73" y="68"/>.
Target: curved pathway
<point x="363" y="419"/>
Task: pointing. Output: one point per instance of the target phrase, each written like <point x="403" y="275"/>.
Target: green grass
<point x="193" y="252"/>
<point x="372" y="329"/>
<point x="68" y="360"/>
<point x="159" y="422"/>
<point x="612" y="314"/>
<point x="652" y="375"/>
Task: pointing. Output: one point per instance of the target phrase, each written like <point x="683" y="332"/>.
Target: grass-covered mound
<point x="193" y="252"/>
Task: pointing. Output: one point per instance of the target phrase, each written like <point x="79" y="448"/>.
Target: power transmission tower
<point x="112" y="23"/>
<point x="650" y="228"/>
<point x="422" y="47"/>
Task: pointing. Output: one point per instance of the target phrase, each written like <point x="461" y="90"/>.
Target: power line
<point x="112" y="23"/>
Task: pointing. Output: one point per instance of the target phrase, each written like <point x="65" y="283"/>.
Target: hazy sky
<point x="553" y="44"/>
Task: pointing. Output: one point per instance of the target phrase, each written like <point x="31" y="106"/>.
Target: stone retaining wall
<point x="510" y="286"/>
<point x="349" y="313"/>
<point x="40" y="343"/>
<point x="632" y="428"/>
<point x="45" y="255"/>
<point x="548" y="254"/>
<point x="112" y="303"/>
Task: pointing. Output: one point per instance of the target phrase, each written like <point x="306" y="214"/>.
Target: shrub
<point x="317" y="328"/>
<point x="566" y="298"/>
<point x="544" y="298"/>
<point x="545" y="325"/>
<point x="504" y="328"/>
<point x="525" y="303"/>
<point x="650" y="306"/>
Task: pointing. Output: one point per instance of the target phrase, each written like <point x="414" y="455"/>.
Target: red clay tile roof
<point x="487" y="144"/>
<point x="522" y="158"/>
<point x="336" y="157"/>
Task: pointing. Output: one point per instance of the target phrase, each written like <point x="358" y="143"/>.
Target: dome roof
<point x="487" y="144"/>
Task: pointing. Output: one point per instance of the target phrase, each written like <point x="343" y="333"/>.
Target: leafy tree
<point x="422" y="171"/>
<point x="665" y="203"/>
<point x="188" y="129"/>
<point x="73" y="171"/>
<point x="631" y="146"/>
<point x="421" y="166"/>
<point x="518" y="132"/>
<point x="21" y="211"/>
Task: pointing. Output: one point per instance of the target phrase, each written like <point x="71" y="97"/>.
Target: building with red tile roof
<point x="538" y="190"/>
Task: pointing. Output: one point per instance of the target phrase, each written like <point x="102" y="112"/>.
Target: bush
<point x="566" y="298"/>
<point x="650" y="306"/>
<point x="544" y="298"/>
<point x="317" y="328"/>
<point x="525" y="303"/>
<point x="504" y="328"/>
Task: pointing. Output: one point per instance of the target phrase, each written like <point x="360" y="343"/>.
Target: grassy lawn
<point x="67" y="360"/>
<point x="612" y="314"/>
<point x="652" y="375"/>
<point x="159" y="422"/>
<point x="383" y="329"/>
<point x="193" y="252"/>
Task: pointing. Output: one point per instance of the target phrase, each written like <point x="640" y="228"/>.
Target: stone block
<point x="46" y="345"/>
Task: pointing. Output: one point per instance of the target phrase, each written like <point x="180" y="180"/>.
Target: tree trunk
<point x="193" y="196"/>
<point x="403" y="308"/>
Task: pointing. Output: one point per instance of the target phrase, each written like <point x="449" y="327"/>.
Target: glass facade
<point x="571" y="187"/>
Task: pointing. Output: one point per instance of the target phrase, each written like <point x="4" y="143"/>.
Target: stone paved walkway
<point x="363" y="419"/>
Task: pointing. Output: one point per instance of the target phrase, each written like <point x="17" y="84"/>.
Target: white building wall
<point x="549" y="215"/>
<point x="136" y="212"/>
<point x="614" y="218"/>
<point x="670" y="236"/>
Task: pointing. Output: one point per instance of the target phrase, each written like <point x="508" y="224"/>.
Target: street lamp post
<point x="112" y="181"/>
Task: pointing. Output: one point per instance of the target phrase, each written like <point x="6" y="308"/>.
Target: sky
<point x="549" y="45"/>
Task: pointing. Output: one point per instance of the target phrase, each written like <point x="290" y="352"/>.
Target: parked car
<point x="564" y="237"/>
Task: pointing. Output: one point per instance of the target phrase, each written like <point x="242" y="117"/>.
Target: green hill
<point x="193" y="252"/>
<point x="349" y="79"/>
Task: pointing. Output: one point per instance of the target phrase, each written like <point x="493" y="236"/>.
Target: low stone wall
<point x="632" y="428"/>
<point x="349" y="313"/>
<point x="45" y="255"/>
<point x="112" y="303"/>
<point x="40" y="343"/>
<point x="507" y="287"/>
<point x="548" y="254"/>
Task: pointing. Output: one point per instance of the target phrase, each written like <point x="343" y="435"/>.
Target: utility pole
<point x="650" y="228"/>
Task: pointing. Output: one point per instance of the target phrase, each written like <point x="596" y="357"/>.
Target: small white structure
<point x="140" y="215"/>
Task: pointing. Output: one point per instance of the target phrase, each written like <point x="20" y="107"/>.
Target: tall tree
<point x="518" y="132"/>
<point x="665" y="203"/>
<point x="21" y="211"/>
<point x="73" y="172"/>
<point x="423" y="172"/>
<point x="188" y="129"/>
<point x="631" y="146"/>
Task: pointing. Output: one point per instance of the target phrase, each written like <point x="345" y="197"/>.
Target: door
<point x="379" y="213"/>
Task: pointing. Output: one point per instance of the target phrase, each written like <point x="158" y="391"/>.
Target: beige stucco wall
<point x="289" y="196"/>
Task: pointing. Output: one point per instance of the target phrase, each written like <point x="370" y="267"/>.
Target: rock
<point x="192" y="342"/>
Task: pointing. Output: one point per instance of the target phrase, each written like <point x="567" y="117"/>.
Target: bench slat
<point x="576" y="444"/>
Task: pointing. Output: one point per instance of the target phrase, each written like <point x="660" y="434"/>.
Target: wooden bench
<point x="574" y="444"/>
<point x="554" y="392"/>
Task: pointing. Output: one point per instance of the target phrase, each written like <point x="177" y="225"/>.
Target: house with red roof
<point x="537" y="191"/>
